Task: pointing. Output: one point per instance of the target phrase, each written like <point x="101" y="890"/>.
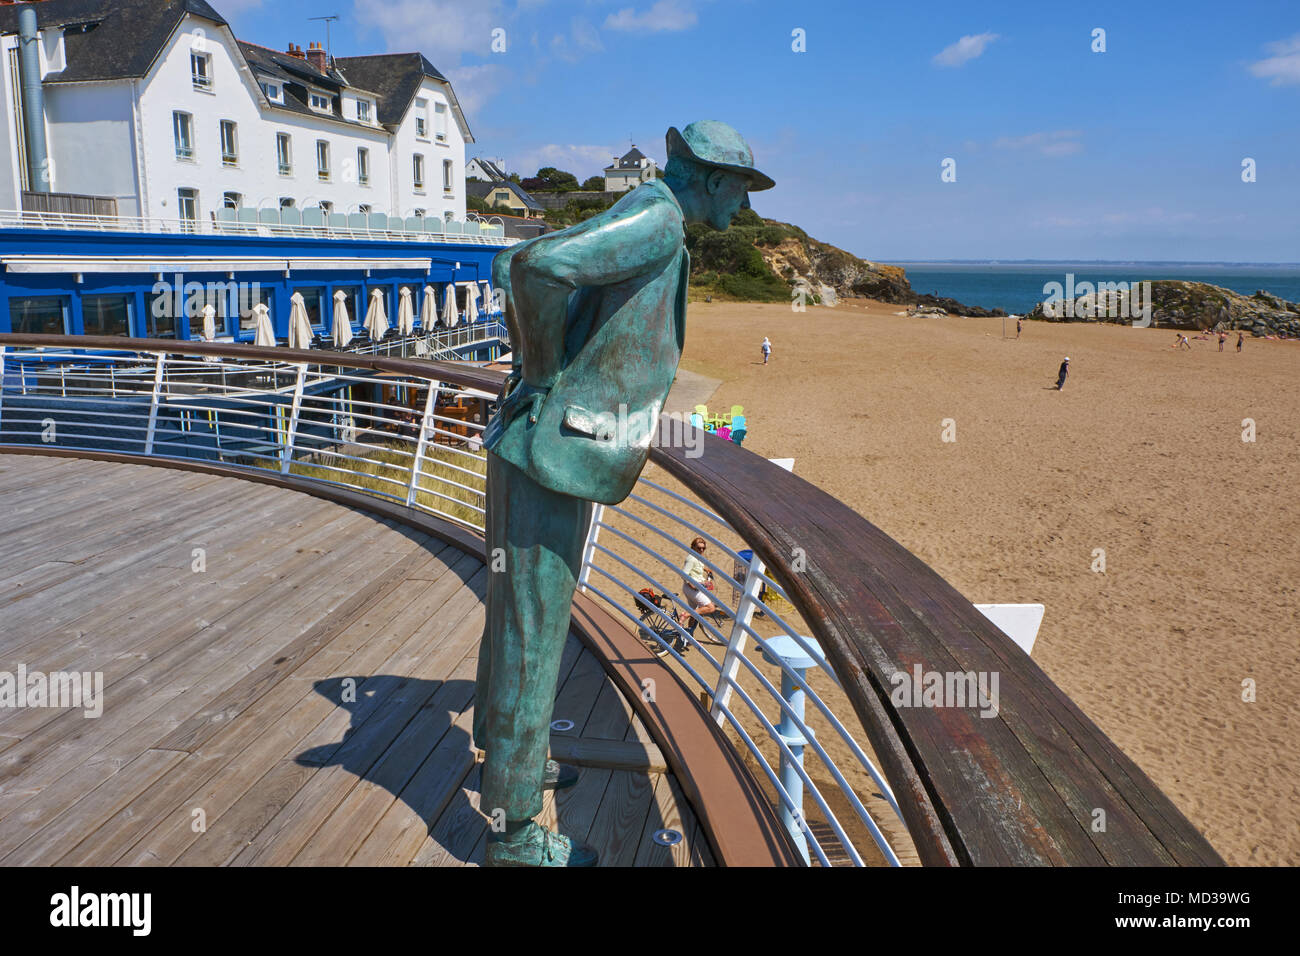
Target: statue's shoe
<point x="557" y="776"/>
<point x="538" y="846"/>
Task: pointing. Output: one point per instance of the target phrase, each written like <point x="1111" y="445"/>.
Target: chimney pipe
<point x="316" y="57"/>
<point x="33" y="97"/>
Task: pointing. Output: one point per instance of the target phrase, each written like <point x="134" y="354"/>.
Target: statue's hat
<point x="714" y="143"/>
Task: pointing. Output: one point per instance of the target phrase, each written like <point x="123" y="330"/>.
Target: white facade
<point x="120" y="138"/>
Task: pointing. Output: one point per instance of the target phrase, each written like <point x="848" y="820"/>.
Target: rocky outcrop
<point x="1178" y="304"/>
<point x="830" y="273"/>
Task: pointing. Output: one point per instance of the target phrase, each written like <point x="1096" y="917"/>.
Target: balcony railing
<point x="306" y="223"/>
<point x="816" y="611"/>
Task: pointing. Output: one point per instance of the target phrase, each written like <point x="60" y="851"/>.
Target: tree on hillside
<point x="594" y="183"/>
<point x="514" y="178"/>
<point x="551" y="180"/>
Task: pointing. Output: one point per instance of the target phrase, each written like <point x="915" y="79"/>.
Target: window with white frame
<point x="363" y="111"/>
<point x="440" y="121"/>
<point x="288" y="202"/>
<point x="183" y="133"/>
<point x="320" y="104"/>
<point x="229" y="144"/>
<point x="232" y="200"/>
<point x="446" y="175"/>
<point x="187" y="203"/>
<point x="418" y="171"/>
<point x="363" y="166"/>
<point x="322" y="160"/>
<point x="284" y="153"/>
<point x="201" y="71"/>
<point x="272" y="91"/>
<point x="422" y="119"/>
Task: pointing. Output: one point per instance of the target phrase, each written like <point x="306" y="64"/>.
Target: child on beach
<point x="766" y="348"/>
<point x="1240" y="337"/>
<point x="1222" y="339"/>
<point x="1017" y="326"/>
<point x="1060" y="375"/>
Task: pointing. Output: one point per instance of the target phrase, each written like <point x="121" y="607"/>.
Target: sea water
<point x="1017" y="287"/>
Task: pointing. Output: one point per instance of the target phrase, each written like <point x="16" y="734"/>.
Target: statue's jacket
<point x="596" y="315"/>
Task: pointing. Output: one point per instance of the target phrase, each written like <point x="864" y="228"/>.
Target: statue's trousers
<point x="535" y="539"/>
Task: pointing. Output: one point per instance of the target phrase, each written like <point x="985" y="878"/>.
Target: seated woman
<point x="697" y="591"/>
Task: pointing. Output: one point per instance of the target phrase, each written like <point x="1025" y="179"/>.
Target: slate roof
<point x="124" y="37"/>
<point x="492" y="169"/>
<point x="395" y="78"/>
<point x="126" y="40"/>
<point x="481" y="190"/>
<point x="629" y="160"/>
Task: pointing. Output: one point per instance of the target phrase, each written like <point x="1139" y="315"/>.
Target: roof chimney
<point x="296" y="51"/>
<point x="316" y="57"/>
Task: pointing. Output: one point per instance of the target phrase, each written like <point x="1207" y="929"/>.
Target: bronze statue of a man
<point x="596" y="315"/>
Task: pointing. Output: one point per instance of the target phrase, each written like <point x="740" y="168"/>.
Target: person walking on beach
<point x="1060" y="375"/>
<point x="1017" y="326"/>
<point x="766" y="348"/>
<point x="1240" y="338"/>
<point x="1222" y="338"/>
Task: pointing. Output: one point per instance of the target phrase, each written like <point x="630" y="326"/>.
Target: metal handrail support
<point x="153" y="403"/>
<point x="286" y="456"/>
<point x="736" y="643"/>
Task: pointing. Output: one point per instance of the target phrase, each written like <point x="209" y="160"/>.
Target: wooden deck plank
<point x="406" y="823"/>
<point x="234" y="830"/>
<point x="243" y="763"/>
<point x="617" y="828"/>
<point x="120" y="630"/>
<point x="242" y="619"/>
<point x="420" y="769"/>
<point x="84" y="756"/>
<point x="453" y="836"/>
<point x="666" y="813"/>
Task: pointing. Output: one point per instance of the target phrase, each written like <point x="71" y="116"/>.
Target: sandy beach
<point x="1141" y="455"/>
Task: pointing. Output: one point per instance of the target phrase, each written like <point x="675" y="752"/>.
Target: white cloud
<point x="662" y="16"/>
<point x="1061" y="142"/>
<point x="965" y="49"/>
<point x="442" y="30"/>
<point x="475" y="85"/>
<point x="582" y="39"/>
<point x="582" y="161"/>
<point x="1283" y="67"/>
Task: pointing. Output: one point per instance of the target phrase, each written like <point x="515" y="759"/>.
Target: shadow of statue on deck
<point x="403" y="737"/>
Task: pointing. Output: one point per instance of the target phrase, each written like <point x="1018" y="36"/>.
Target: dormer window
<point x="363" y="111"/>
<point x="320" y="103"/>
<point x="272" y="91"/>
<point x="201" y="71"/>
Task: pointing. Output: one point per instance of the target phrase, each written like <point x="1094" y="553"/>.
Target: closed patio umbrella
<point x="488" y="307"/>
<point x="449" y="314"/>
<point x="299" y="323"/>
<point x="405" y="312"/>
<point x="342" y="324"/>
<point x="428" y="310"/>
<point x="376" y="322"/>
<point x="471" y="302"/>
<point x="265" y="333"/>
<point x="209" y="323"/>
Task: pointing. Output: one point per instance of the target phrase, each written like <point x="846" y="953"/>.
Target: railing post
<point x="589" y="549"/>
<point x="286" y="456"/>
<point x="153" y="404"/>
<point x="736" y="643"/>
<point x="2" y="383"/>
<point x="430" y="403"/>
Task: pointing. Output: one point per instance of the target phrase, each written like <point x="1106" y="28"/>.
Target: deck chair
<point x="738" y="434"/>
<point x="737" y="411"/>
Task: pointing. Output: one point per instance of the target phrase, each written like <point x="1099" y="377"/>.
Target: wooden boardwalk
<point x="286" y="681"/>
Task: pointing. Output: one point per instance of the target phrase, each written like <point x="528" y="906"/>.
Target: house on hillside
<point x="155" y="108"/>
<point x="628" y="171"/>
<point x="506" y="193"/>
<point x="488" y="170"/>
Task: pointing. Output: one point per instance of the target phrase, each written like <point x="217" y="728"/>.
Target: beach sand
<point x="1140" y="455"/>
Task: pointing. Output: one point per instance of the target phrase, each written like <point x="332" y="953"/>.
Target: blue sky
<point x="1061" y="152"/>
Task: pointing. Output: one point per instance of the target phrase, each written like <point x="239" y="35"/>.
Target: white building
<point x="155" y="104"/>
<point x="628" y="171"/>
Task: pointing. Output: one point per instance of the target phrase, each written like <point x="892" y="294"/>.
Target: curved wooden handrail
<point x="1022" y="787"/>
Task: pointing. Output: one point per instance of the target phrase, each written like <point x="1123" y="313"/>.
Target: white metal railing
<point x="417" y="440"/>
<point x="87" y="222"/>
<point x="642" y="543"/>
